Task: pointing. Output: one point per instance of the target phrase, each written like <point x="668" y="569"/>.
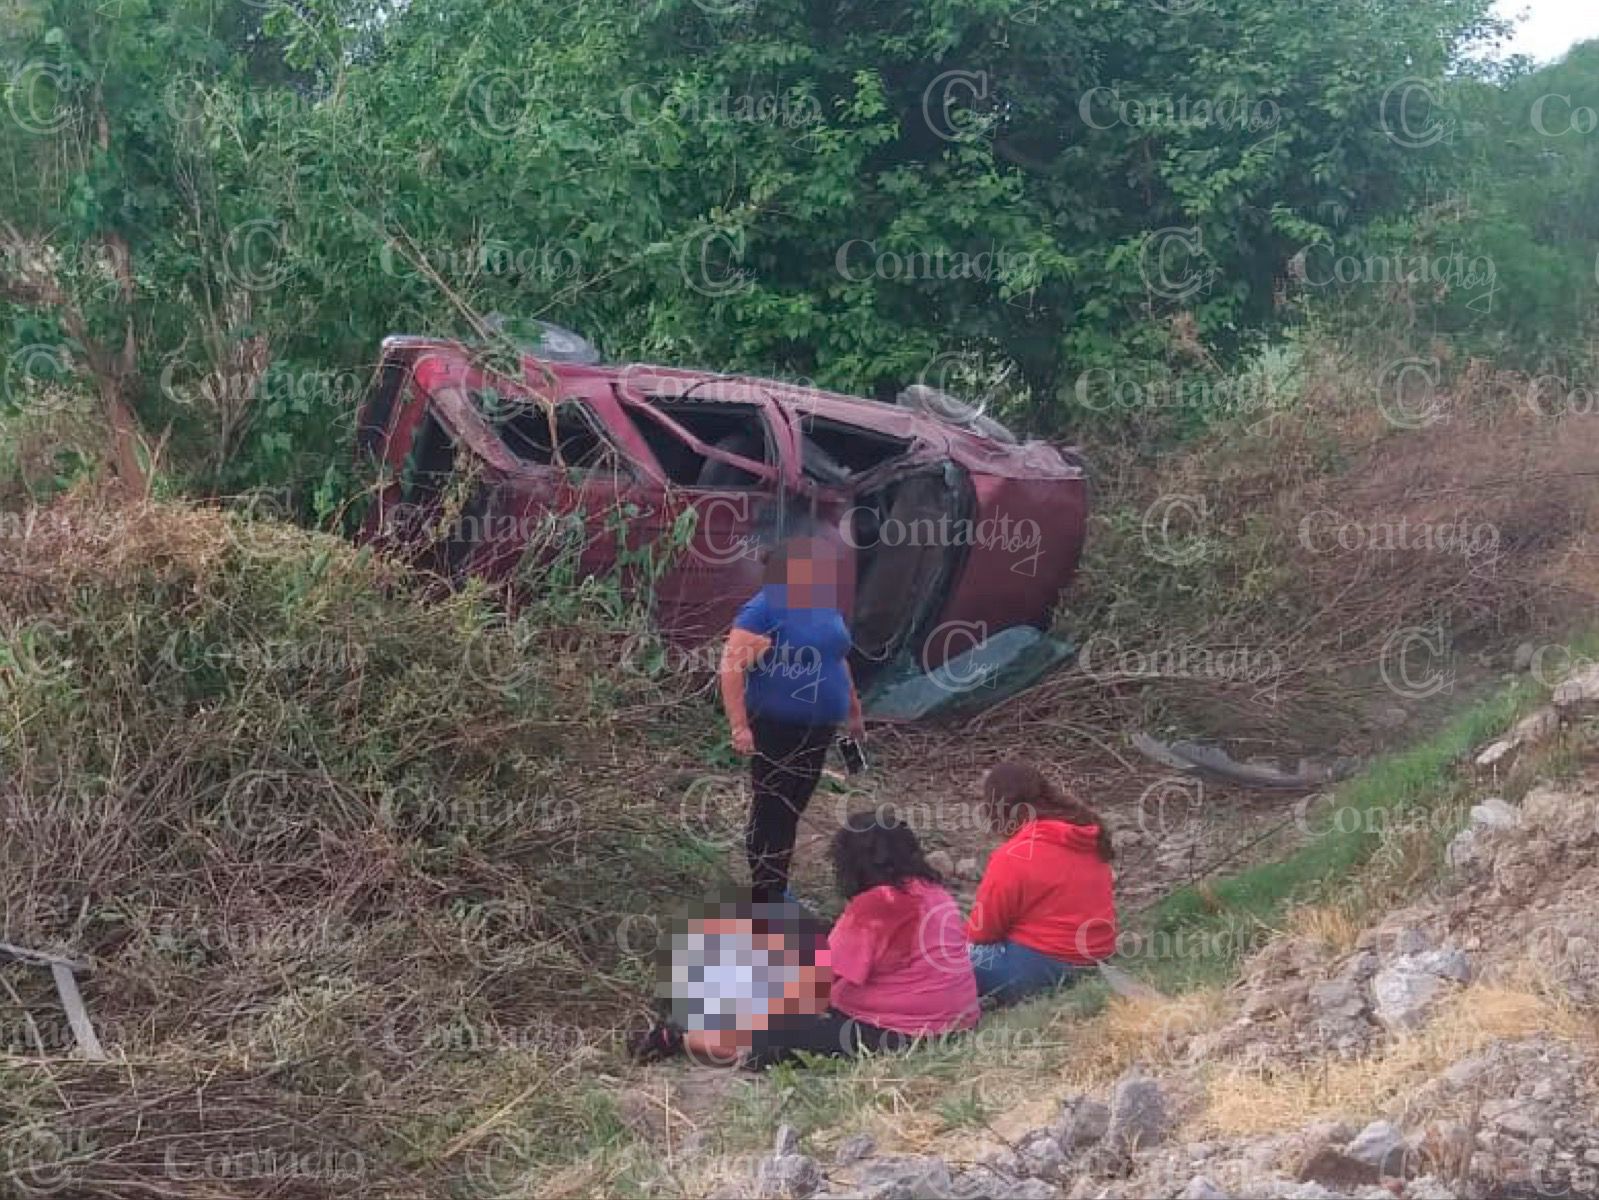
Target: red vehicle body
<point x="949" y="533"/>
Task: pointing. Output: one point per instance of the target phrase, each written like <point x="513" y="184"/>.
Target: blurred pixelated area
<point x="727" y="964"/>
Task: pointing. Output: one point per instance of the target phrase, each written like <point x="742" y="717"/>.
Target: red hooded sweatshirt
<point x="1048" y="889"/>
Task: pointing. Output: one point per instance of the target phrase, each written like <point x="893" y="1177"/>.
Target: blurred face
<point x="811" y="579"/>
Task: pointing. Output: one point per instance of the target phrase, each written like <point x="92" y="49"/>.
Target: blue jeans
<point x="1007" y="971"/>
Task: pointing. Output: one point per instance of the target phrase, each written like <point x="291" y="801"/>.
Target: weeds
<point x="1242" y="1101"/>
<point x="350" y="868"/>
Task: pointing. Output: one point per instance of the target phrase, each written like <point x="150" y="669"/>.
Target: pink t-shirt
<point x="900" y="960"/>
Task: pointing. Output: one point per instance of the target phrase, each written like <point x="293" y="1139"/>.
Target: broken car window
<point x="526" y="427"/>
<point x="832" y="447"/>
<point x="428" y="466"/>
<point x="733" y="428"/>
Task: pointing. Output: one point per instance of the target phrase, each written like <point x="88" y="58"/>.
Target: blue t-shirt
<point x="802" y="678"/>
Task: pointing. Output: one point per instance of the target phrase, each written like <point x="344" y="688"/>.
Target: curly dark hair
<point x="874" y="848"/>
<point x="1016" y="792"/>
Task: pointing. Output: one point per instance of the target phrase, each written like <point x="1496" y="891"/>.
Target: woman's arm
<point x="742" y="651"/>
<point x="996" y="908"/>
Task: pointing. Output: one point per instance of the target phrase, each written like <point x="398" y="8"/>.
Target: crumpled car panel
<point x="949" y="536"/>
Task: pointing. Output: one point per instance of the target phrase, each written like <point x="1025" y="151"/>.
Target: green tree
<point x="117" y="271"/>
<point x="861" y="194"/>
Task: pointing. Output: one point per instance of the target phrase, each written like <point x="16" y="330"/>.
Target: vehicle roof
<point x="973" y="449"/>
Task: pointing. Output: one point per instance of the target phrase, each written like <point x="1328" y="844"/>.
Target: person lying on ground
<point x="786" y="686"/>
<point x="894" y="968"/>
<point x="1045" y="911"/>
<point x="726" y="970"/>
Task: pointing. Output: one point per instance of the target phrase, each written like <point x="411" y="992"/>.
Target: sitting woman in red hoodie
<point x="1045" y="911"/>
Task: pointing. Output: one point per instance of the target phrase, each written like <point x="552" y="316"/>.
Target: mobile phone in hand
<point x="854" y="755"/>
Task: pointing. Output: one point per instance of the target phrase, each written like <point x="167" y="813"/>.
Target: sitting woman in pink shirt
<point x="899" y="964"/>
<point x="894" y="968"/>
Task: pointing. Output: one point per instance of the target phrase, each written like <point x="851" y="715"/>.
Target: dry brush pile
<point x="353" y="871"/>
<point x="1257" y="581"/>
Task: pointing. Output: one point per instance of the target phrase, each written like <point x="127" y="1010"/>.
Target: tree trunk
<point x="125" y="440"/>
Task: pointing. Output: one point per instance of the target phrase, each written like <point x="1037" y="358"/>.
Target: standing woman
<point x="787" y="688"/>
<point x="1045" y="910"/>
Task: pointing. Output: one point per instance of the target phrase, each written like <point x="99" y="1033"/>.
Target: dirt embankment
<point x="384" y="868"/>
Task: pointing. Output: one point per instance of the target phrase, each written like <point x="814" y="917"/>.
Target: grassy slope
<point x="1380" y="837"/>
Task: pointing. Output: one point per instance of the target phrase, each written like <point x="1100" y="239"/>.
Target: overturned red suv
<point x="954" y="530"/>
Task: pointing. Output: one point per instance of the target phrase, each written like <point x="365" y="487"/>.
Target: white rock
<point x="1403" y="996"/>
<point x="1337" y="1000"/>
<point x="1309" y="1190"/>
<point x="1083" y="1122"/>
<point x="1429" y="1187"/>
<point x="854" y="1148"/>
<point x="1405" y="990"/>
<point x="1201" y="1188"/>
<point x="1448" y="963"/>
<point x="1000" y="1188"/>
<point x="1465" y="1072"/>
<point x="1516" y="1118"/>
<point x="1578" y="690"/>
<point x="1041" y="1154"/>
<point x="1138" y="1116"/>
<point x="1496" y="752"/>
<point x="1494" y="813"/>
<point x="1003" y="1160"/>
<point x="788" y="1177"/>
<point x="1464" y="849"/>
<point x="1410" y="940"/>
<point x="1563" y="814"/>
<point x="1536" y="726"/>
<point x="905" y="1177"/>
<point x="1380" y="1145"/>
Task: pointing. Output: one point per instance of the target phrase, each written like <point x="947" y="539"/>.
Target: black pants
<point x="832" y="1034"/>
<point x="783" y="773"/>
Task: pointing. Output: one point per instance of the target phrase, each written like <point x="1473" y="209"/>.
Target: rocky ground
<point x="1449" y="1051"/>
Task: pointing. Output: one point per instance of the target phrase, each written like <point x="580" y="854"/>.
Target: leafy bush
<point x="864" y="198"/>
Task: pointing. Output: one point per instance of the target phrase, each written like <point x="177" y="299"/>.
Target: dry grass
<point x="1333" y="927"/>
<point x="325" y="847"/>
<point x="1155" y="1030"/>
<point x="1011" y="1076"/>
<point x="1264" y="568"/>
<point x="1245" y="1102"/>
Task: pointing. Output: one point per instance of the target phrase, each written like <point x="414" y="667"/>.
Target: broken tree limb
<point x="40" y="958"/>
<point x="63" y="971"/>
<point x="77" y="1015"/>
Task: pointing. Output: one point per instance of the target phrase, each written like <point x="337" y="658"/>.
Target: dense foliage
<point x="214" y="209"/>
